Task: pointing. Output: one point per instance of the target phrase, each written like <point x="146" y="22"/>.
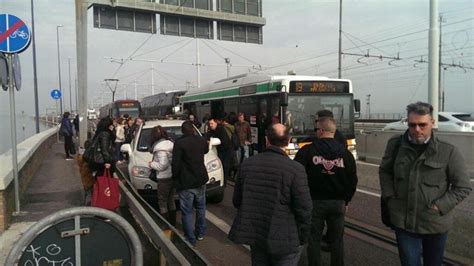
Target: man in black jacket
<point x="332" y="181"/>
<point x="190" y="178"/>
<point x="224" y="150"/>
<point x="274" y="204"/>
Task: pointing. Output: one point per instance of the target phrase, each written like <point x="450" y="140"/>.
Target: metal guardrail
<point x="176" y="249"/>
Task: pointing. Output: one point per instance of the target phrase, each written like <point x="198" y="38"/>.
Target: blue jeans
<point x="242" y="153"/>
<point x="189" y="198"/>
<point x="412" y="246"/>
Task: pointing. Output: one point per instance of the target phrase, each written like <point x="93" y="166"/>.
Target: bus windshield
<point x="301" y="112"/>
<point x="131" y="111"/>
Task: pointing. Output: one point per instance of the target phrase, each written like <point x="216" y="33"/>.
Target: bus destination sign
<point x="319" y="87"/>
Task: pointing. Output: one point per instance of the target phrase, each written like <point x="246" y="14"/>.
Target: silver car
<point x="447" y="121"/>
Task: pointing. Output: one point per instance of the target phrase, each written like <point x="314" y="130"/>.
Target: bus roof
<point x="250" y="79"/>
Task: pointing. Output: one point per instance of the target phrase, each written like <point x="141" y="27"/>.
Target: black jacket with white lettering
<point x="331" y="170"/>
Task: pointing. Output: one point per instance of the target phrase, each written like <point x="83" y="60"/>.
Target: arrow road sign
<point x="56" y="94"/>
<point x="14" y="34"/>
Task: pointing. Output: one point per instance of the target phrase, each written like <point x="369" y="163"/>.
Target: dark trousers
<point x="262" y="257"/>
<point x="226" y="159"/>
<point x="332" y="212"/>
<point x="68" y="145"/>
<point x="412" y="246"/>
<point x="166" y="192"/>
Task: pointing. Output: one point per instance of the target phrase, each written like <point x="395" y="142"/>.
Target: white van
<point x="91" y="114"/>
<point x="139" y="156"/>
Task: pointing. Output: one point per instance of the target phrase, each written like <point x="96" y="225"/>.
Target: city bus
<point x="292" y="100"/>
<point x="121" y="107"/>
<point x="162" y="104"/>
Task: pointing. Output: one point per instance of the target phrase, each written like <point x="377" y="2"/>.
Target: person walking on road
<point x="190" y="178"/>
<point x="422" y="179"/>
<point x="162" y="158"/>
<point x="332" y="179"/>
<point x="243" y="130"/>
<point x="67" y="132"/>
<point x="102" y="142"/>
<point x="119" y="138"/>
<point x="224" y="150"/>
<point x="273" y="204"/>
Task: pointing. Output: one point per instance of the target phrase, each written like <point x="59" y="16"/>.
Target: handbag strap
<point x="107" y="172"/>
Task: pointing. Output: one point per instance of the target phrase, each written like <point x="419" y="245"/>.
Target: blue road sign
<point x="56" y="94"/>
<point x="14" y="34"/>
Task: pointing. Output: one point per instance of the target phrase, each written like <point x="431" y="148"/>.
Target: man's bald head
<point x="278" y="135"/>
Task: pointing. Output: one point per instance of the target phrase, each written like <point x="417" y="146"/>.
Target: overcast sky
<point x="299" y="35"/>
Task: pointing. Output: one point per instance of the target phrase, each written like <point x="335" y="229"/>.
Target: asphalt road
<point x="359" y="248"/>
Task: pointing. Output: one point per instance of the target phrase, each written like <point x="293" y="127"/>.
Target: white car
<point x="447" y="121"/>
<point x="139" y="156"/>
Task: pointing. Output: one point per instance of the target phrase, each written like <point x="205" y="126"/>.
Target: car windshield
<point x="144" y="143"/>
<point x="301" y="112"/>
<point x="464" y="117"/>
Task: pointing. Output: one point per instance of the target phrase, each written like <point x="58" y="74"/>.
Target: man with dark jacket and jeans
<point x="190" y="178"/>
<point x="273" y="202"/>
<point x="422" y="179"/>
<point x="332" y="181"/>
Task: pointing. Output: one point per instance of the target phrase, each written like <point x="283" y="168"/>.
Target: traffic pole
<point x="13" y="134"/>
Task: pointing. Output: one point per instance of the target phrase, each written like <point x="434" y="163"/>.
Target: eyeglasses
<point x="414" y="125"/>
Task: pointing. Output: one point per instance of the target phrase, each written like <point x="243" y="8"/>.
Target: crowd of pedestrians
<point x="283" y="205"/>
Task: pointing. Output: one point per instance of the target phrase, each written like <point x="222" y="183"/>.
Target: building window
<point x="226" y="31"/>
<point x="187" y="27"/>
<point x="125" y="20"/>
<point x="108" y="19"/>
<point x="239" y="33"/>
<point x="202" y="4"/>
<point x="203" y="29"/>
<point x="253" y="34"/>
<point x="252" y="8"/>
<point x="239" y="6"/>
<point x="226" y="6"/>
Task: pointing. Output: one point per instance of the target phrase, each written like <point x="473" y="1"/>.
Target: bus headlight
<point x="138" y="171"/>
<point x="213" y="165"/>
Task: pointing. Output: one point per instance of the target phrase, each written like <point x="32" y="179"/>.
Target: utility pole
<point x="339" y="69"/>
<point x="81" y="61"/>
<point x="136" y="91"/>
<point x="368" y="106"/>
<point x="112" y="88"/>
<point x="75" y="91"/>
<point x="152" y="82"/>
<point x="433" y="68"/>
<point x="35" y="79"/>
<point x="198" y="64"/>
<point x="59" y="71"/>
<point x="440" y="88"/>
<point x="70" y="91"/>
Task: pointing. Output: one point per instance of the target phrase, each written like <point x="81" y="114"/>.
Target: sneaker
<point x="200" y="238"/>
<point x="69" y="158"/>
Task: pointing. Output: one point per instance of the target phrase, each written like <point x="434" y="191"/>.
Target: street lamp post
<point x="59" y="70"/>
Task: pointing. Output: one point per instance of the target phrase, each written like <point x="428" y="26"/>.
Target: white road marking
<point x="368" y="193"/>
<point x="221" y="224"/>
<point x="366" y="163"/>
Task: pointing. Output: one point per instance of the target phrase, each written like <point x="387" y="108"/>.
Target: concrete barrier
<point x="30" y="156"/>
<point x="371" y="145"/>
